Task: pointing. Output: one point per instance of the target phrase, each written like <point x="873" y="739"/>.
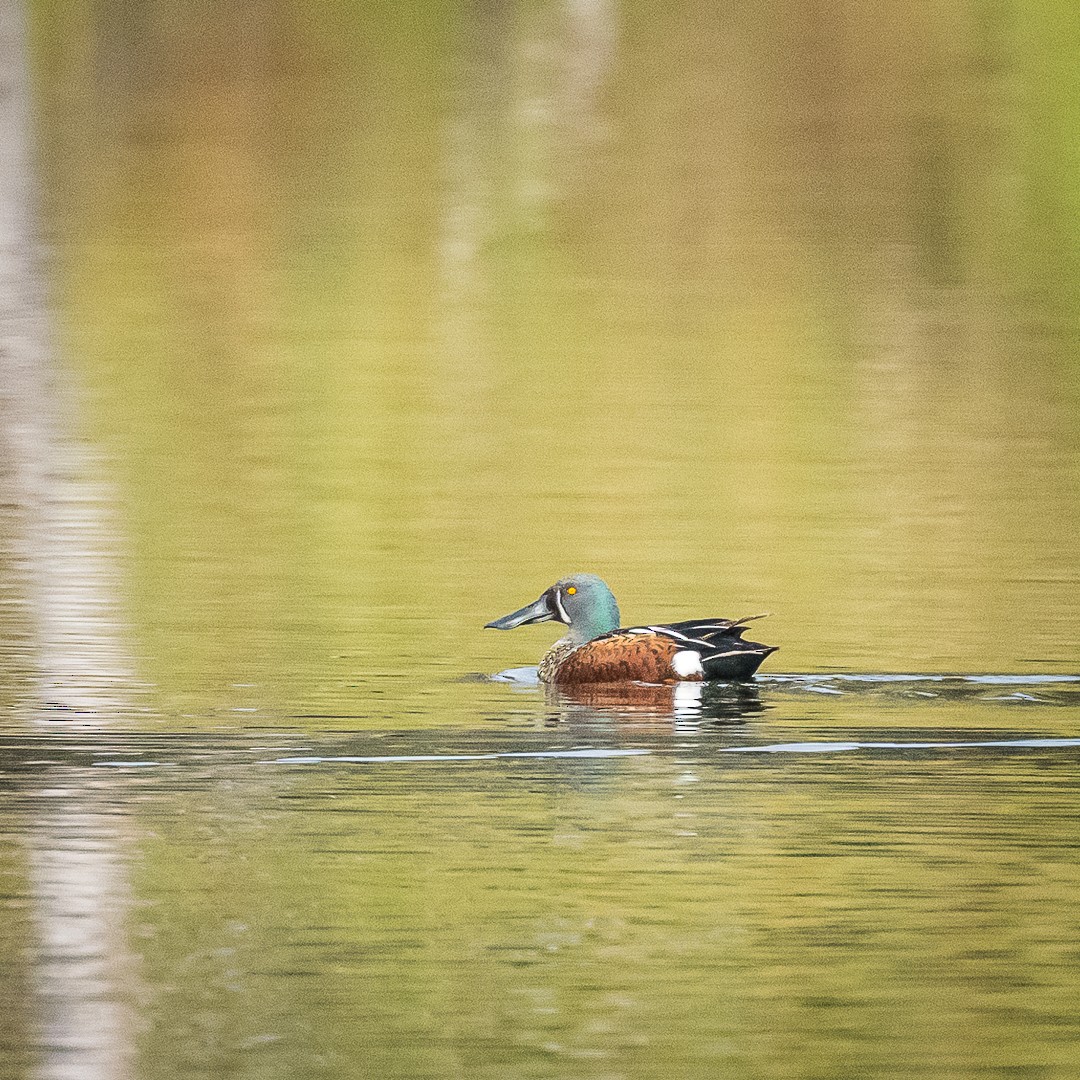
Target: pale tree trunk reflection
<point x="62" y="652"/>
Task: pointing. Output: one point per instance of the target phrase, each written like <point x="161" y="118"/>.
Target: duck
<point x="597" y="650"/>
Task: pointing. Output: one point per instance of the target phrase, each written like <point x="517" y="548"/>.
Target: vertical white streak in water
<point x="525" y="116"/>
<point x="563" y="53"/>
<point x="590" y="53"/>
<point x="60" y="540"/>
<point x="63" y="543"/>
<point x="83" y="972"/>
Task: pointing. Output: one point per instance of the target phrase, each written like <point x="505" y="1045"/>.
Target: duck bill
<point x="536" y="612"/>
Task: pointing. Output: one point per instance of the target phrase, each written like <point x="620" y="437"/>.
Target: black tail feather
<point x="726" y="655"/>
<point x="740" y="660"/>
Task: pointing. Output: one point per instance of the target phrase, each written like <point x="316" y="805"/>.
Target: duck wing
<point x="717" y="645"/>
<point x="694" y="650"/>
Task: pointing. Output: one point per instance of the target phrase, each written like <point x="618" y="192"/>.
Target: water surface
<point x="367" y="325"/>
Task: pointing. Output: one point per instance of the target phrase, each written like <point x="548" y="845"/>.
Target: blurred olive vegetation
<point x="382" y="316"/>
<point x="387" y="315"/>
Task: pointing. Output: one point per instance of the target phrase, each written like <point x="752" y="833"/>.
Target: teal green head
<point x="582" y="601"/>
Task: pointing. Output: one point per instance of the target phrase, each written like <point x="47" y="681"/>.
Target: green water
<point x="372" y="321"/>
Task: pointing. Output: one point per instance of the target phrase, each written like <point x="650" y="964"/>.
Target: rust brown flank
<point x="620" y="658"/>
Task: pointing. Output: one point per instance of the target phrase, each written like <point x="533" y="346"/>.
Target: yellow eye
<point x="571" y="591"/>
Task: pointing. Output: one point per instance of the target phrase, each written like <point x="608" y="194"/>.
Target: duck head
<point x="582" y="601"/>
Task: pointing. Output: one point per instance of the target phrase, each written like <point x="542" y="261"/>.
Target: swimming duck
<point x="596" y="650"/>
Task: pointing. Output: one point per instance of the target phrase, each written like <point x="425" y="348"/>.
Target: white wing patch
<point x="687" y="662"/>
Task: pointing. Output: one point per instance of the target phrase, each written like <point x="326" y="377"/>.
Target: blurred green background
<point x="370" y="321"/>
<point x="385" y="316"/>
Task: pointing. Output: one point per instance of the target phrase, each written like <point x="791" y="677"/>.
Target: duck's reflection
<point x="690" y="702"/>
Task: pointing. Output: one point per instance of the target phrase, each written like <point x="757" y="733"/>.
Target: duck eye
<point x="571" y="591"/>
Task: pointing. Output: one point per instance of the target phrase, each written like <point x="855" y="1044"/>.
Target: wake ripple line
<point x="594" y="752"/>
<point x="600" y="752"/>
<point x="836" y="747"/>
